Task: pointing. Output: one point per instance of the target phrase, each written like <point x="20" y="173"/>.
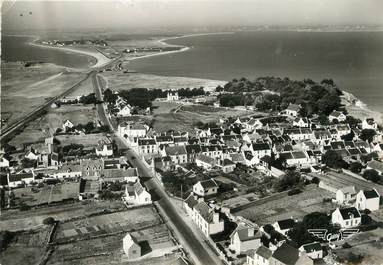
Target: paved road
<point x="200" y="252"/>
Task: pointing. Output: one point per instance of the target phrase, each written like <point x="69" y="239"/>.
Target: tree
<point x="333" y="159"/>
<point x="49" y="221"/>
<point x="348" y="137"/>
<point x="290" y="180"/>
<point x="367" y="135"/>
<point x="109" y="96"/>
<point x="356" y="167"/>
<point x="372" y="174"/>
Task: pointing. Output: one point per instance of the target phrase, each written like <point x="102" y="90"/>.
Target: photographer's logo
<point x="325" y="235"/>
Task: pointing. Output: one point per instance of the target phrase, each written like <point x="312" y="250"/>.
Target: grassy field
<point x="123" y="81"/>
<point x="48" y="193"/>
<point x="185" y="118"/>
<point x="26" y="247"/>
<point x="15" y="220"/>
<point x="75" y="113"/>
<point x="86" y="140"/>
<point x="25" y="88"/>
<point x="296" y="206"/>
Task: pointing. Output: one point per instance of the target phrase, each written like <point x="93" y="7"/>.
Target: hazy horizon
<point x="69" y="15"/>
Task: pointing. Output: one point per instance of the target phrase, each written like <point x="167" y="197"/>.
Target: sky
<point x="186" y="13"/>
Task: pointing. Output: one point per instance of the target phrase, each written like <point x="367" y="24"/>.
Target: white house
<point x="228" y="165"/>
<point x="346" y="217"/>
<point x="284" y="226"/>
<point x="244" y="238"/>
<point x="369" y="123"/>
<point x="68" y="171"/>
<point x="293" y="110"/>
<point x="15" y="180"/>
<point x="312" y="250"/>
<point x="130" y="129"/>
<point x="368" y="199"/>
<point x="67" y="125"/>
<point x="301" y="122"/>
<point x="137" y="194"/>
<point x="346" y="195"/>
<point x="205" y="187"/>
<point x="337" y="115"/>
<point x="189" y="203"/>
<point x="104" y="149"/>
<point x="32" y="155"/>
<point x="172" y="96"/>
<point x="147" y="146"/>
<point x="124" y="111"/>
<point x="131" y="247"/>
<point x="177" y="154"/>
<point x="207" y="219"/>
<point x="206" y="162"/>
<point x="4" y="163"/>
<point x="261" y="256"/>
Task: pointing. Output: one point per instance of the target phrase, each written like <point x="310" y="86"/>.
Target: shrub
<point x="294" y="192"/>
<point x="49" y="221"/>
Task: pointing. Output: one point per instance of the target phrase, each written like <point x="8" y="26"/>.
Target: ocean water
<point x="354" y="60"/>
<point x="14" y="48"/>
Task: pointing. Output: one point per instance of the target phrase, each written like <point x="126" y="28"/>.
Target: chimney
<point x="250" y="231"/>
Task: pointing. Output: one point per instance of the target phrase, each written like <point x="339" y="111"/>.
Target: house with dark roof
<point x="301" y="122"/>
<point x="284" y="226"/>
<point x="288" y="255"/>
<point x="189" y="203"/>
<point x="20" y="179"/>
<point x="208" y="219"/>
<point x="346" y="195"/>
<point x="206" y="162"/>
<point x="192" y="150"/>
<point x="260" y="256"/>
<point x="292" y="110"/>
<point x="313" y="250"/>
<point x="177" y="154"/>
<point x="136" y="194"/>
<point x="376" y="165"/>
<point x="337" y="116"/>
<point x="227" y="165"/>
<point x="205" y="187"/>
<point x="368" y="199"/>
<point x="346" y="217"/>
<point x="244" y="238"/>
<point x="147" y="146"/>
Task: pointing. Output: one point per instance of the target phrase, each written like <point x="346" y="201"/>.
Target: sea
<point x="17" y="48"/>
<point x="354" y="60"/>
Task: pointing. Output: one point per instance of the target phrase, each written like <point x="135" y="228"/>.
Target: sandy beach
<point x="358" y="109"/>
<point x="100" y="58"/>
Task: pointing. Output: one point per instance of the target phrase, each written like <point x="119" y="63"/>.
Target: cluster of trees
<point x="71" y="150"/>
<point x="315" y="98"/>
<point x="292" y="179"/>
<point x="372" y="175"/>
<point x="110" y="195"/>
<point x="174" y="182"/>
<point x="89" y="128"/>
<point x="89" y="99"/>
<point x="143" y="97"/>
<point x="299" y="233"/>
<point x="334" y="160"/>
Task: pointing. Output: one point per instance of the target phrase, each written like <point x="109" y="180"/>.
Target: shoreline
<point x="101" y="59"/>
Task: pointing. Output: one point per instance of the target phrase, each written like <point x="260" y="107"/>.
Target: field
<point x="283" y="207"/>
<point x="25" y="88"/>
<point x="75" y="113"/>
<point x="48" y="193"/>
<point x="184" y="118"/>
<point x="15" y="220"/>
<point x="123" y="81"/>
<point x="26" y="247"/>
<point x="133" y="219"/>
<point x="368" y="244"/>
<point x="88" y="140"/>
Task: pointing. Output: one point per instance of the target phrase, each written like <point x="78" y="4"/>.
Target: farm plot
<point x="296" y="206"/>
<point x="132" y="219"/>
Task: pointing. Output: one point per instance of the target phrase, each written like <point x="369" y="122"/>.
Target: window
<point x="347" y="222"/>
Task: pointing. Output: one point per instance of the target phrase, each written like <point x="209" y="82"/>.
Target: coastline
<point x="358" y="109"/>
<point x="353" y="105"/>
<point x="100" y="58"/>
